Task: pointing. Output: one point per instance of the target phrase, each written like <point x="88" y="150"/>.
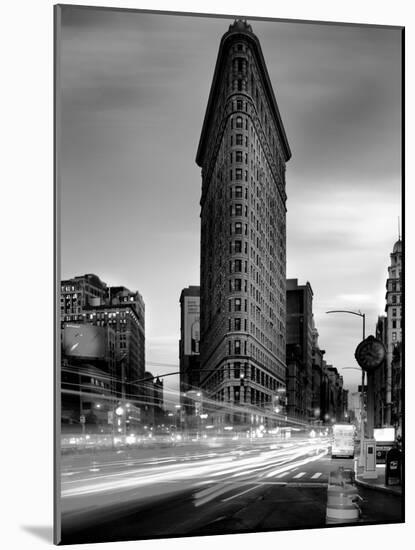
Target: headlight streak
<point x="206" y="495"/>
<point x="195" y="474"/>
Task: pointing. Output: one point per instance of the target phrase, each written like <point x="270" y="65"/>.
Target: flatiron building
<point x="242" y="154"/>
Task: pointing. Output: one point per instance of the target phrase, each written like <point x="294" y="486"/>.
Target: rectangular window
<point x="237" y="347"/>
<point x="238" y="284"/>
<point x="239" y="139"/>
<point x="238" y="192"/>
<point x="238" y="266"/>
<point x="237" y="323"/>
<point x="238" y="246"/>
<point x="239" y="101"/>
<point x="238" y="227"/>
<point x="237" y="304"/>
<point x="238" y="156"/>
<point x="238" y="174"/>
<point x="238" y="209"/>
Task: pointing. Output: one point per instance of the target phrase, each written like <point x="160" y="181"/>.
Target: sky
<point x="134" y="89"/>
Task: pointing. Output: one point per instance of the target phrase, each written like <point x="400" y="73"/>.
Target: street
<point x="214" y="488"/>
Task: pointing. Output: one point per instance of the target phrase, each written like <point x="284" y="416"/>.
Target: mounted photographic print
<point x="229" y="275"/>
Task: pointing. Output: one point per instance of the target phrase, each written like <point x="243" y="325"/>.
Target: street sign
<point x="82" y="419"/>
<point x="110" y="417"/>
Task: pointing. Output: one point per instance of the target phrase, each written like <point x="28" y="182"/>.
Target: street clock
<point x="370" y="353"/>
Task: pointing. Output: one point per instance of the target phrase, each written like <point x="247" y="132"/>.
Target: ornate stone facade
<point x="242" y="152"/>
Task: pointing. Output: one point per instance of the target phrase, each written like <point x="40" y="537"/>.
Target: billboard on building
<point x="191" y="325"/>
<point x="84" y="341"/>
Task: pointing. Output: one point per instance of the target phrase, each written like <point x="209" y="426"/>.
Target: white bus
<point x="343" y="440"/>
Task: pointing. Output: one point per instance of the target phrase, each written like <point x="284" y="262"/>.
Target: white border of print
<point x="27" y="231"/>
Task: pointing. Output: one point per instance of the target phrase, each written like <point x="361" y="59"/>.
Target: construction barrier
<point x="342" y="499"/>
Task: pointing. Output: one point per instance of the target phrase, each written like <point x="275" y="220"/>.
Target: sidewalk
<point x="378" y="483"/>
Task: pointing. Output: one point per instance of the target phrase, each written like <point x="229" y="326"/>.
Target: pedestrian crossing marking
<point x="283" y="474"/>
<point x="316" y="476"/>
<point x="301" y="474"/>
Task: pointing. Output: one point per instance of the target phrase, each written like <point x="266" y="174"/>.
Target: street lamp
<point x="362" y="424"/>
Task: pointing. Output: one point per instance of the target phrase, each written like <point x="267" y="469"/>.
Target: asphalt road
<point x="205" y="491"/>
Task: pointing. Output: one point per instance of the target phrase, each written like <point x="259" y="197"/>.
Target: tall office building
<point x="393" y="338"/>
<point x="300" y="336"/>
<point x="87" y="300"/>
<point x="242" y="152"/>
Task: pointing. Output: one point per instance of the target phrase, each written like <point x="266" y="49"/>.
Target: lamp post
<point x="362" y="423"/>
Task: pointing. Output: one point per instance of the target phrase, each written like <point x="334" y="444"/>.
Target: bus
<point x="343" y="440"/>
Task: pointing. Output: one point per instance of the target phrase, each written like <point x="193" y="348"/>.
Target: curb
<point x="381" y="488"/>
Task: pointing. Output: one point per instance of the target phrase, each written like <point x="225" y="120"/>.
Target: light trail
<point x="196" y="471"/>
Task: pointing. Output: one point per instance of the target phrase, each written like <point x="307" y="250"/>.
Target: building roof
<point x="397" y="247"/>
<point x="240" y="28"/>
<point x="192" y="290"/>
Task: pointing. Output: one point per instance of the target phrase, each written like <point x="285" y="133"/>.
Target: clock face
<point x="370" y="353"/>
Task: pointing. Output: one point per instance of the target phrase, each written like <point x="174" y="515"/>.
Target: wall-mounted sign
<point x="84" y="340"/>
<point x="191" y="325"/>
